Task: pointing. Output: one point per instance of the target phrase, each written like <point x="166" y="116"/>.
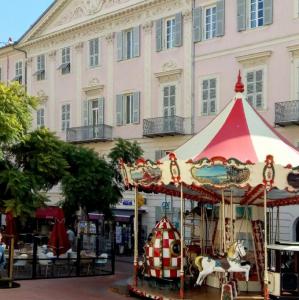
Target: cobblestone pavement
<point x="86" y="288"/>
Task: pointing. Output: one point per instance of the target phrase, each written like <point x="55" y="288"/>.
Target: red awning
<point x="49" y="212"/>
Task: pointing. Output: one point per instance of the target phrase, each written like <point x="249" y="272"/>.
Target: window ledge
<point x="169" y="75"/>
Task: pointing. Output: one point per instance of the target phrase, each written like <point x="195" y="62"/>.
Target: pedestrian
<point x="71" y="237"/>
<point x="2" y="256"/>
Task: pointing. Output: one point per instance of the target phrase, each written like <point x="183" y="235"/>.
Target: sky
<point x="16" y="16"/>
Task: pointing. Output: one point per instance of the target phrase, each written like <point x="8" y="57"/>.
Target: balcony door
<point x="169" y="109"/>
<point x="93" y="118"/>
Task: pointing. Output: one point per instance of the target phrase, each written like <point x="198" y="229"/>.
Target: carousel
<point x="237" y="161"/>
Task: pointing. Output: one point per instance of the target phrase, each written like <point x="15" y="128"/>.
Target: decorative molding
<point x="87" y="8"/>
<point x="42" y="96"/>
<point x="170" y="75"/>
<point x="114" y="21"/>
<point x="29" y="60"/>
<point x="170" y="65"/>
<point x="147" y="27"/>
<point x="187" y="14"/>
<point x="294" y="50"/>
<point x="94" y="87"/>
<point x="110" y="37"/>
<point x="52" y="54"/>
<point x="254" y="59"/>
<point x="79" y="46"/>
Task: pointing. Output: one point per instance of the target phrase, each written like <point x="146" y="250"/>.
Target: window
<point x="254" y="13"/>
<point x="65" y="116"/>
<point x="94" y="52"/>
<point x="297" y="80"/>
<point x="40" y="67"/>
<point x="94" y="112"/>
<point x="209" y="96"/>
<point x="65" y="61"/>
<point x="169" y="32"/>
<point x="210" y="22"/>
<point x="255" y="88"/>
<point x="169" y="100"/>
<point x="19" y="71"/>
<point x="127" y="108"/>
<point x="128" y="43"/>
<point x="40" y="117"/>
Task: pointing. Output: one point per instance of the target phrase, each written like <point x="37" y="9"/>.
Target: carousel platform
<point x="148" y="290"/>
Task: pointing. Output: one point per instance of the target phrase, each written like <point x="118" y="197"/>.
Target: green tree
<point x="15" y="114"/>
<point x="89" y="183"/>
<point x="31" y="167"/>
<point x="128" y="151"/>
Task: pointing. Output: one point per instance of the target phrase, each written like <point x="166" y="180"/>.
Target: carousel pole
<point x="182" y="275"/>
<point x="231" y="217"/>
<point x="136" y="239"/>
<point x="223" y="223"/>
<point x="266" y="290"/>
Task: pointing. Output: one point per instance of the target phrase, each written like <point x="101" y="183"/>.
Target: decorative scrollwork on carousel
<point x="145" y="172"/>
<point x="123" y="172"/>
<point x="269" y="172"/>
<point x="220" y="172"/>
<point x="174" y="169"/>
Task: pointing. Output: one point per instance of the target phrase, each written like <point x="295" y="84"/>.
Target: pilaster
<point x="147" y="103"/>
<point x="187" y="110"/>
<point x="29" y="74"/>
<point x="50" y="109"/>
<point x="109" y="101"/>
<point x="77" y="109"/>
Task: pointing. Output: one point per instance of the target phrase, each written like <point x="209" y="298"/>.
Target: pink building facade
<point x="157" y="71"/>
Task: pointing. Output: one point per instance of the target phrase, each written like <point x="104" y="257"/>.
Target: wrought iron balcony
<point x="90" y="133"/>
<point x="287" y="113"/>
<point x="172" y="125"/>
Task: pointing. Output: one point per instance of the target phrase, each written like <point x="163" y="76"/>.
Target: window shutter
<point x="136" y="107"/>
<point x="119" y="41"/>
<point x="124" y="39"/>
<point x="119" y="110"/>
<point x="101" y="110"/>
<point x="159" y="36"/>
<point x="85" y="113"/>
<point x="241" y="15"/>
<point x="197" y="24"/>
<point x="268" y="12"/>
<point x="136" y="41"/>
<point x="178" y="30"/>
<point x="220" y="18"/>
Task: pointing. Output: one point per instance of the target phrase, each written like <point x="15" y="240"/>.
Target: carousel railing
<point x="287" y="113"/>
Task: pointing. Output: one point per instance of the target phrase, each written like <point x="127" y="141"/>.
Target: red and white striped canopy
<point x="239" y="132"/>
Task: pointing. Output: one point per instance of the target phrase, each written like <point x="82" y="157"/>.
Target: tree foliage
<point x="15" y="113"/>
<point x="89" y="183"/>
<point x="128" y="151"/>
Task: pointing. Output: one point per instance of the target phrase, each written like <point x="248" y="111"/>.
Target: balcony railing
<point x="287" y="113"/>
<point x="172" y="125"/>
<point x="90" y="133"/>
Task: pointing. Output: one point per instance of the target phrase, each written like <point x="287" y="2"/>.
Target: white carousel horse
<point x="207" y="265"/>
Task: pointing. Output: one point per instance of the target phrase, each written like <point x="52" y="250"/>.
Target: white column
<point x="77" y="109"/>
<point x="110" y="106"/>
<point x="147" y="44"/>
<point x="50" y="112"/>
<point x="187" y="103"/>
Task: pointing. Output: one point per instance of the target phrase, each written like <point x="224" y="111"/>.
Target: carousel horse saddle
<point x="245" y="262"/>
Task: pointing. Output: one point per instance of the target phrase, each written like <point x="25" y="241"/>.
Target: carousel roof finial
<point x="239" y="87"/>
